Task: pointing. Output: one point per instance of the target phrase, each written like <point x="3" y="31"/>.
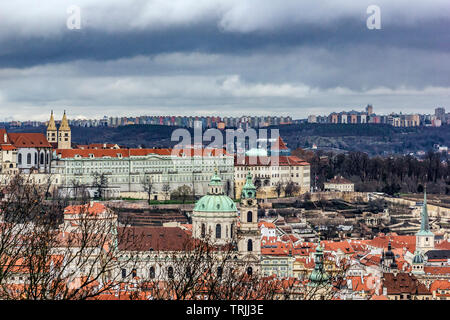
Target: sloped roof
<point x="153" y="238"/>
<point x="403" y="283"/>
<point x="267" y="161"/>
<point x="29" y="140"/>
<point x="339" y="180"/>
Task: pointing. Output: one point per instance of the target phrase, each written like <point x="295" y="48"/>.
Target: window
<point x="152" y="272"/>
<point x="218" y="231"/>
<point x="42" y="158"/>
<point x="249" y="216"/>
<point x="249" y="271"/>
<point x="29" y="158"/>
<point x="124" y="273"/>
<point x="250" y="245"/>
<point x="134" y="273"/>
<point x="188" y="272"/>
<point x="219" y="272"/>
<point x="170" y="272"/>
<point x="35" y="158"/>
<point x="203" y="232"/>
<point x="20" y="158"/>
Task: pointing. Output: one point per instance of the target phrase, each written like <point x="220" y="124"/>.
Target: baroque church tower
<point x="64" y="134"/>
<point x="249" y="235"/>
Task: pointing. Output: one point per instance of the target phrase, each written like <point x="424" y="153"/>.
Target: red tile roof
<point x="154" y="238"/>
<point x="267" y="161"/>
<point x="92" y="209"/>
<point x="440" y="285"/>
<point x="7" y="147"/>
<point x="403" y="283"/>
<point x="29" y="140"/>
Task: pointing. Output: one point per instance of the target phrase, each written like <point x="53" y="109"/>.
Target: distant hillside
<point x="371" y="138"/>
<point x="374" y="139"/>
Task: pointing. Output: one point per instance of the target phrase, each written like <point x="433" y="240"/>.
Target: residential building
<point x="340" y="184"/>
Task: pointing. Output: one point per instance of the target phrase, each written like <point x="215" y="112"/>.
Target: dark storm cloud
<point x="89" y="43"/>
<point x="294" y="57"/>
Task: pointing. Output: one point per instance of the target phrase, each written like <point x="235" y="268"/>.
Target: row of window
<point x="44" y="158"/>
<point x="170" y="272"/>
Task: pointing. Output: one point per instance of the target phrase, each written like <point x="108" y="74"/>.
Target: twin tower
<point x="62" y="137"/>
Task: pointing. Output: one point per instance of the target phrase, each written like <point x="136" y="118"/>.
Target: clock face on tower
<point x="250" y="202"/>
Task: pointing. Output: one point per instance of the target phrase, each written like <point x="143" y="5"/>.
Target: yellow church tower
<point x="52" y="132"/>
<point x="64" y="134"/>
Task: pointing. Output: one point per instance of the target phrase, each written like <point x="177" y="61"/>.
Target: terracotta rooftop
<point x="403" y="283"/>
<point x="266" y="161"/>
<point x="29" y="140"/>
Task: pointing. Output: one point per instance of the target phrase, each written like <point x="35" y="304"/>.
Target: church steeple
<point x="64" y="123"/>
<point x="424" y="238"/>
<point x="52" y="132"/>
<point x="249" y="189"/>
<point x="424" y="222"/>
<point x="51" y="123"/>
<point x="318" y="276"/>
<point x="64" y="134"/>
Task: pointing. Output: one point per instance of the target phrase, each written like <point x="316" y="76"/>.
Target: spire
<point x="424" y="225"/>
<point x="64" y="123"/>
<point x="51" y="123"/>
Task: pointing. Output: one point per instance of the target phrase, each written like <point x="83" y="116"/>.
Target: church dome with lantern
<point x="215" y="200"/>
<point x="215" y="215"/>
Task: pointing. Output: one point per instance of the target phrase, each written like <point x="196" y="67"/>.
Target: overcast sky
<point x="221" y="57"/>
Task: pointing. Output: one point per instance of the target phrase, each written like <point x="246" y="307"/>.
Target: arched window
<point x="19" y="158"/>
<point x="249" y="216"/>
<point x="152" y="272"/>
<point x="203" y="233"/>
<point x="250" y="245"/>
<point x="35" y="158"/>
<point x="219" y="272"/>
<point x="249" y="271"/>
<point x="218" y="231"/>
<point x="231" y="231"/>
<point x="170" y="272"/>
<point x="29" y="158"/>
<point x="188" y="272"/>
<point x="42" y="158"/>
<point x="47" y="158"/>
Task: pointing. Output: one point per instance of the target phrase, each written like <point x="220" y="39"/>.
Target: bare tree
<point x="200" y="270"/>
<point x="166" y="188"/>
<point x="48" y="252"/>
<point x="183" y="192"/>
<point x="100" y="183"/>
<point x="147" y="185"/>
<point x="279" y="187"/>
<point x="291" y="188"/>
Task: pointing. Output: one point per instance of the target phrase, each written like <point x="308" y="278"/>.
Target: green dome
<point x="418" y="258"/>
<point x="319" y="276"/>
<point x="215" y="203"/>
<point x="215" y="200"/>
